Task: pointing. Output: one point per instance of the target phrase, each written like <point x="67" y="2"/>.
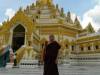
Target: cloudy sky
<point x="86" y="10"/>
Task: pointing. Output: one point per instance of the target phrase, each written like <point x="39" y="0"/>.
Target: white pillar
<point x="77" y="48"/>
<point x="85" y="49"/>
<point x="70" y="48"/>
<point x="99" y="46"/>
<point x="92" y="47"/>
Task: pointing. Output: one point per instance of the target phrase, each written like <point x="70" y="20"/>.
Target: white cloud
<point x="10" y="13"/>
<point x="0" y="23"/>
<point x="93" y="16"/>
<point x="97" y="1"/>
<point x="73" y="16"/>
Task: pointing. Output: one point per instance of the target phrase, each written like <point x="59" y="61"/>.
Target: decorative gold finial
<point x="45" y="1"/>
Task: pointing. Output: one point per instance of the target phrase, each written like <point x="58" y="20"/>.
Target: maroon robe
<point x="50" y="65"/>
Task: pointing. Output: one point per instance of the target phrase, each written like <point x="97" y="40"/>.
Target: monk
<point x="50" y="57"/>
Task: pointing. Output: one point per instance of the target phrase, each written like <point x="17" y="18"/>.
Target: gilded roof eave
<point x="20" y="17"/>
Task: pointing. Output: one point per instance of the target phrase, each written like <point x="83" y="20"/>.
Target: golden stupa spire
<point x="45" y="1"/>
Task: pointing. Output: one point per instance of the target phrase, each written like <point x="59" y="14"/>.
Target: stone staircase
<point x="21" y="71"/>
<point x="28" y="63"/>
<point x="63" y="70"/>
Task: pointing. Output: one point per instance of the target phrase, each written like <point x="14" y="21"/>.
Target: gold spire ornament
<point x="45" y="2"/>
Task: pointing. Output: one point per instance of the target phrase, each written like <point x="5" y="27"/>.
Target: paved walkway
<point x="63" y="70"/>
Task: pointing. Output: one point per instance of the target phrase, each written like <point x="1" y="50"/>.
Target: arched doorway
<point x="18" y="37"/>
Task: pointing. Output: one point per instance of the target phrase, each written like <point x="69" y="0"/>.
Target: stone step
<point x="21" y="71"/>
<point x="63" y="70"/>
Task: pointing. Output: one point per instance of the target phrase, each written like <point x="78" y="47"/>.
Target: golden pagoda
<point x="29" y="29"/>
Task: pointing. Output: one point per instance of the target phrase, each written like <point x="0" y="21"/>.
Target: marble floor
<point x="63" y="70"/>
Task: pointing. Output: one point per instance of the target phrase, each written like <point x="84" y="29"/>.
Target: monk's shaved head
<point x="51" y="37"/>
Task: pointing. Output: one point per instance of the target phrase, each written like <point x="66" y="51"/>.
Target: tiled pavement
<point x="63" y="70"/>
